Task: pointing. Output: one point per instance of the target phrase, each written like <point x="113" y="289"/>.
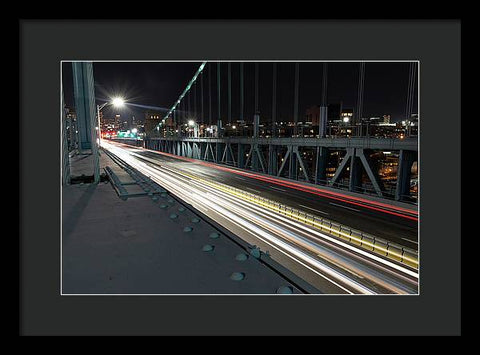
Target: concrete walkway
<point x="112" y="246"/>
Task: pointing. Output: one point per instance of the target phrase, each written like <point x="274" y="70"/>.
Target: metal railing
<point x="376" y="245"/>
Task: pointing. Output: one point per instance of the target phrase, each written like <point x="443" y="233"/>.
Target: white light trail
<point x="272" y="228"/>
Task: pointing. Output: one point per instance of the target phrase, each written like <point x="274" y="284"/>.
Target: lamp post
<point x="117" y="102"/>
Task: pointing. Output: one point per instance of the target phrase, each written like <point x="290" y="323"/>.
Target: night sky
<point x="159" y="84"/>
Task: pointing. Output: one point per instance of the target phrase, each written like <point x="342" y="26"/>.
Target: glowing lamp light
<point x="346" y="119"/>
<point x="118" y="102"/>
<point x="191" y="122"/>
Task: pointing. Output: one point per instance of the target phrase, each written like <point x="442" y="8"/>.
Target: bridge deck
<point x="134" y="247"/>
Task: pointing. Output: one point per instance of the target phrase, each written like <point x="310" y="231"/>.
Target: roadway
<point x="386" y="222"/>
<point x="330" y="265"/>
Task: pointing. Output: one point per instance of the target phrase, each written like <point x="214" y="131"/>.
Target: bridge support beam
<point x="203" y="150"/>
<point x="284" y="160"/>
<point x="232" y="156"/>
<point x="355" y="181"/>
<point x="227" y="155"/>
<point x="357" y="159"/>
<point x="292" y="165"/>
<point x="195" y="151"/>
<point x="241" y="156"/>
<point x="183" y="149"/>
<point x="206" y="151"/>
<point x="272" y="160"/>
<point x="405" y="162"/>
<point x="255" y="157"/>
<point x="84" y="94"/>
<point x="65" y="150"/>
<point x="372" y="175"/>
<point x="251" y="159"/>
<point x="209" y="153"/>
<point x="321" y="165"/>
<point x="260" y="157"/>
<point x="294" y="160"/>
<point x="218" y="152"/>
<point x="300" y="163"/>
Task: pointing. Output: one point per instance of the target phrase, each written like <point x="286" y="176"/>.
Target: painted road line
<point x="348" y="208"/>
<point x="276" y="188"/>
<point x="409" y="240"/>
<point x="313" y="209"/>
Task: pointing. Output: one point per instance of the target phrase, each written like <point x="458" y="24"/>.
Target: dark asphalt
<point x="393" y="228"/>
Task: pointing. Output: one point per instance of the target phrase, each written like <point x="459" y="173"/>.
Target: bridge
<point x="262" y="154"/>
<point x="325" y="227"/>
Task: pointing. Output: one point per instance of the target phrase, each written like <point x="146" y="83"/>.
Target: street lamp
<point x="116" y="102"/>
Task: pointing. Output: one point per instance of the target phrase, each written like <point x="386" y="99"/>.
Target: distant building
<point x="312" y="114"/>
<point x="107" y="123"/>
<point x="152" y="119"/>
<point x="117" y="121"/>
<point x="346" y="115"/>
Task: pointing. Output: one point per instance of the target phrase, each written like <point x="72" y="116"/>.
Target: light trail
<point x="358" y="201"/>
<point x="279" y="217"/>
<point x="337" y="262"/>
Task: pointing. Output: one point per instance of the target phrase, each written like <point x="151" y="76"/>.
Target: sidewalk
<point x="149" y="245"/>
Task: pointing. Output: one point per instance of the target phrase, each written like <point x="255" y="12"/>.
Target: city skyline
<point x="157" y="85"/>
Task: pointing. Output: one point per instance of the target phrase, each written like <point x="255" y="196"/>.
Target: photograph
<point x="239" y="177"/>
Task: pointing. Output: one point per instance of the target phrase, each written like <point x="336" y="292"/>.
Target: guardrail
<point x="379" y="246"/>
